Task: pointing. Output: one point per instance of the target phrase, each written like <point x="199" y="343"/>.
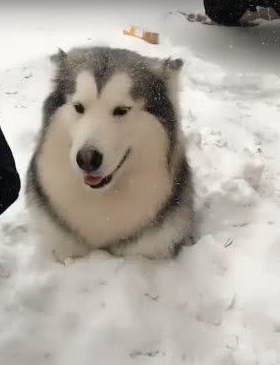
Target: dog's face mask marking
<point x="101" y="128"/>
<point x="119" y="117"/>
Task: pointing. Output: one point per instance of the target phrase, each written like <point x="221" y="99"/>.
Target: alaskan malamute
<point x="110" y="170"/>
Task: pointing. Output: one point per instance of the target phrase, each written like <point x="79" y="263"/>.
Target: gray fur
<point x="104" y="62"/>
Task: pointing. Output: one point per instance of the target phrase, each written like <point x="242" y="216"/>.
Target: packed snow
<point x="219" y="301"/>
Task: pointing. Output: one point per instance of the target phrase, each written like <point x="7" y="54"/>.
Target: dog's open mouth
<point x="97" y="182"/>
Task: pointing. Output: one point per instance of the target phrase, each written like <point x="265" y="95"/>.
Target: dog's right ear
<point x="58" y="57"/>
<point x="173" y="64"/>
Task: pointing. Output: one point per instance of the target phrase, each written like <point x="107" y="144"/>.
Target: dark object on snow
<point x="9" y="177"/>
<point x="229" y="12"/>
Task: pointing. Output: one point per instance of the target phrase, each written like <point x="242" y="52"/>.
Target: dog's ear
<point x="173" y="64"/>
<point x="58" y="57"/>
<point x="171" y="72"/>
<point x="167" y="68"/>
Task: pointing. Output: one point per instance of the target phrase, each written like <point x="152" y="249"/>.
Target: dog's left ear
<point x="171" y="73"/>
<point x="173" y="65"/>
<point x="58" y="57"/>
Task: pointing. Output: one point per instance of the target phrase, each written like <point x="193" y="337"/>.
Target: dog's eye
<point x="79" y="108"/>
<point x="121" y="110"/>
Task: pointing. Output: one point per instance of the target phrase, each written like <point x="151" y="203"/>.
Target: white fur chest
<point x="99" y="217"/>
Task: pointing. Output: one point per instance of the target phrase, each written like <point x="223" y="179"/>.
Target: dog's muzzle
<point x="97" y="182"/>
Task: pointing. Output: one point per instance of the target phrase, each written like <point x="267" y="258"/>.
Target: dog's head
<point x="118" y="109"/>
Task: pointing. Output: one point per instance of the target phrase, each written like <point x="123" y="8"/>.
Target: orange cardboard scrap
<point x="141" y="33"/>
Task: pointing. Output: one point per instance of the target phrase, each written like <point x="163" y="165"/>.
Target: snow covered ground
<point x="218" y="302"/>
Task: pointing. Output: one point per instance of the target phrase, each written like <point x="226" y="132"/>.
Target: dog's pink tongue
<point x="92" y="180"/>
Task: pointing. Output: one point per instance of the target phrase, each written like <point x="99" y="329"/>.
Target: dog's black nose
<point x="89" y="160"/>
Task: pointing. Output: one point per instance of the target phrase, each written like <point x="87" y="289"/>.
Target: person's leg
<point x="9" y="177"/>
<point x="225" y="12"/>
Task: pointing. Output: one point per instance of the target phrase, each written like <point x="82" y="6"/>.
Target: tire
<point x="225" y="12"/>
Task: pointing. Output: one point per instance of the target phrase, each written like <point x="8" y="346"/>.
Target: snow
<point x="218" y="302"/>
